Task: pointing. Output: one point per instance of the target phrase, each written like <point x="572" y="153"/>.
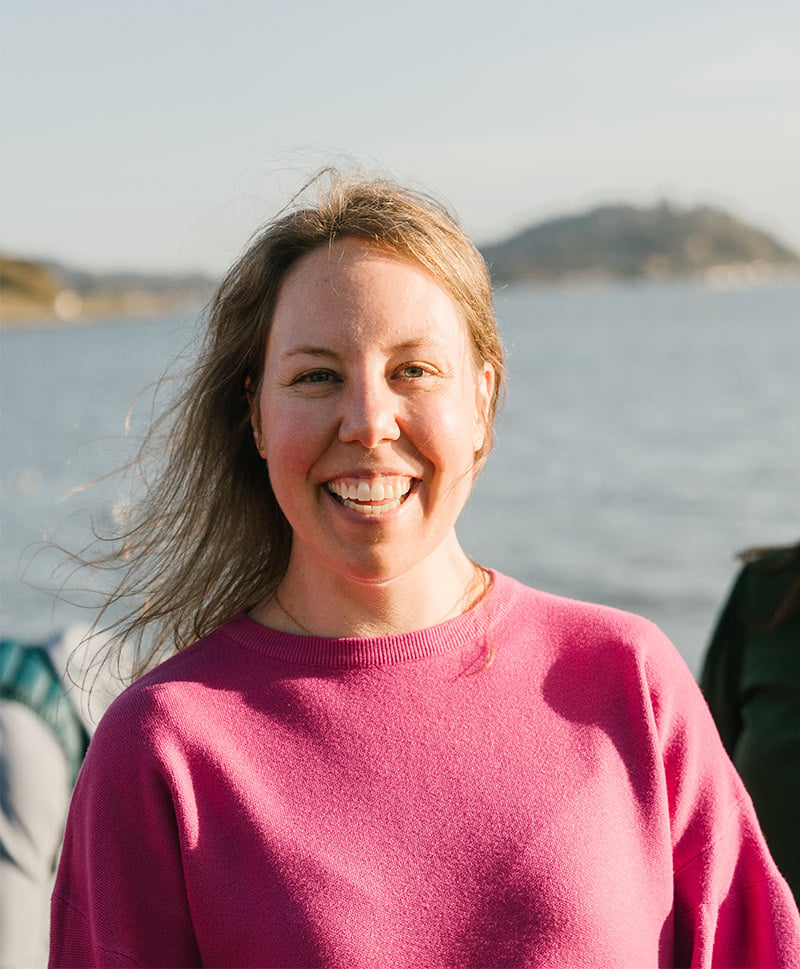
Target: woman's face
<point x="369" y="413"/>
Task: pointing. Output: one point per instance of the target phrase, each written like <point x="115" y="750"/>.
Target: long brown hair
<point x="209" y="538"/>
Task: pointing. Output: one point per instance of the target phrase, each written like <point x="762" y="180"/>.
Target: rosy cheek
<point x="451" y="425"/>
<point x="285" y="432"/>
<point x="287" y="450"/>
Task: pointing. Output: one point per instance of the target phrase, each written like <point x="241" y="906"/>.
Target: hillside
<point x="609" y="243"/>
<point x="625" y="242"/>
<point x="35" y="292"/>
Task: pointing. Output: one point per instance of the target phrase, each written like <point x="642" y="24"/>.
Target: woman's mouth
<point x="374" y="496"/>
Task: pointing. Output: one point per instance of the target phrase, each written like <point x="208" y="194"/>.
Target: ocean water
<point x="648" y="433"/>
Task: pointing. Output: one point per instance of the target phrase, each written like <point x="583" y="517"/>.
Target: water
<point x="648" y="433"/>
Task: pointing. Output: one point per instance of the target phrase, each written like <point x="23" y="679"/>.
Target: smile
<point x="373" y="497"/>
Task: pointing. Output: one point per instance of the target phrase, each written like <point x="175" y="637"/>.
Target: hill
<point x="33" y="291"/>
<point x="609" y="243"/>
<point x="625" y="242"/>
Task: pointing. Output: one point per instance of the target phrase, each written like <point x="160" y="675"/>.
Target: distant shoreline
<point x="19" y="315"/>
<point x="41" y="294"/>
<point x="610" y="245"/>
<point x="85" y="311"/>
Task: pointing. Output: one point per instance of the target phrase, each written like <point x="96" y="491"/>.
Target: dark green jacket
<point x="751" y="680"/>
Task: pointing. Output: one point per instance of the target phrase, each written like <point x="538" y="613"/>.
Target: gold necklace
<point x="480" y="577"/>
<point x="288" y="615"/>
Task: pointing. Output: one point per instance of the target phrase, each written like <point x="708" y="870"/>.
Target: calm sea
<point x="648" y="433"/>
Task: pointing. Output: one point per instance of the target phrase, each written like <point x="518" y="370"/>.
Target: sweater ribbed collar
<point x="358" y="652"/>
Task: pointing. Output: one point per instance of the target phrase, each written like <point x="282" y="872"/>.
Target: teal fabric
<point x="28" y="676"/>
<point x="751" y="680"/>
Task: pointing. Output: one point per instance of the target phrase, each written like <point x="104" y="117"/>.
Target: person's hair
<point x="209" y="537"/>
<point x="778" y="559"/>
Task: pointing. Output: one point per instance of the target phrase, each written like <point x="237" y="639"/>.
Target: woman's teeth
<point x="371" y="497"/>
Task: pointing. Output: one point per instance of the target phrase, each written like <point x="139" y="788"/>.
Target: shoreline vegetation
<point x="613" y="243"/>
<point x="34" y="293"/>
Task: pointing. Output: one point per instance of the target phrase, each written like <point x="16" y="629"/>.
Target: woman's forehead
<point x="353" y="259"/>
<point x="368" y="289"/>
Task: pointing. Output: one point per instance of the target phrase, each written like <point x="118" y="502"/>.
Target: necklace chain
<point x="481" y="575"/>
<point x="288" y="615"/>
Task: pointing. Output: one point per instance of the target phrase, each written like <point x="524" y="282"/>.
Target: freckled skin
<point x="369" y="375"/>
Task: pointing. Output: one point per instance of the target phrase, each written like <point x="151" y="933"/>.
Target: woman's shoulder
<point x="588" y="636"/>
<point x="764" y="569"/>
<point x="185" y="678"/>
<point x="768" y="577"/>
<point x="778" y="558"/>
<point x="595" y="661"/>
<point x="565" y="615"/>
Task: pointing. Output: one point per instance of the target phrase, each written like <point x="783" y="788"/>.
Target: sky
<point x="158" y="135"/>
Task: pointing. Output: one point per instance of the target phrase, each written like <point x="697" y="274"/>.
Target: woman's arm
<point x="120" y="897"/>
<point x="732" y="907"/>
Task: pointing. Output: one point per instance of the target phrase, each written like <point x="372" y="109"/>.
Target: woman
<point x="376" y="752"/>
<point x="751" y="679"/>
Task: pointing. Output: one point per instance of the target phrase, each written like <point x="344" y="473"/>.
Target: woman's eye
<point x="315" y="377"/>
<point x="413" y="371"/>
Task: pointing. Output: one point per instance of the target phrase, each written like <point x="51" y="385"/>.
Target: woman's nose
<point x="370" y="414"/>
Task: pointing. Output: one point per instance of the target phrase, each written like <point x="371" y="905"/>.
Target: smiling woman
<point x="369" y="414"/>
<point x="366" y="750"/>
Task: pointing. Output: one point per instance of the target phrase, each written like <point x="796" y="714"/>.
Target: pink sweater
<point x="263" y="799"/>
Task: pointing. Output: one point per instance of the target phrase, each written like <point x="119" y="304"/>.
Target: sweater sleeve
<point x="120" y="897"/>
<point x="731" y="905"/>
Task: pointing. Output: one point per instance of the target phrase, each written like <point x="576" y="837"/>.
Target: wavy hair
<point x="209" y="538"/>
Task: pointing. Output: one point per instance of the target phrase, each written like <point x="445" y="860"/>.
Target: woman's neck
<point x="316" y="601"/>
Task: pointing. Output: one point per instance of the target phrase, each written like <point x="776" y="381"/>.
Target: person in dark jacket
<point x="751" y="680"/>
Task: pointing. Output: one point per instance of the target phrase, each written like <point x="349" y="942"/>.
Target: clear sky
<point x="158" y="134"/>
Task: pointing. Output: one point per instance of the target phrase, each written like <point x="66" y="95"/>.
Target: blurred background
<point x="158" y="134"/>
<point x="651" y="423"/>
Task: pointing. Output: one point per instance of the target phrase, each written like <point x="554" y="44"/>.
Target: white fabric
<point x="34" y="797"/>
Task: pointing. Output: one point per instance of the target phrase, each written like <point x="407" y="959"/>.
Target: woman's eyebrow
<point x="309" y="350"/>
<point x="421" y="343"/>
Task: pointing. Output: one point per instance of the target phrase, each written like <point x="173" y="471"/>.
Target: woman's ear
<point x="255" y="416"/>
<point x="485" y="383"/>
